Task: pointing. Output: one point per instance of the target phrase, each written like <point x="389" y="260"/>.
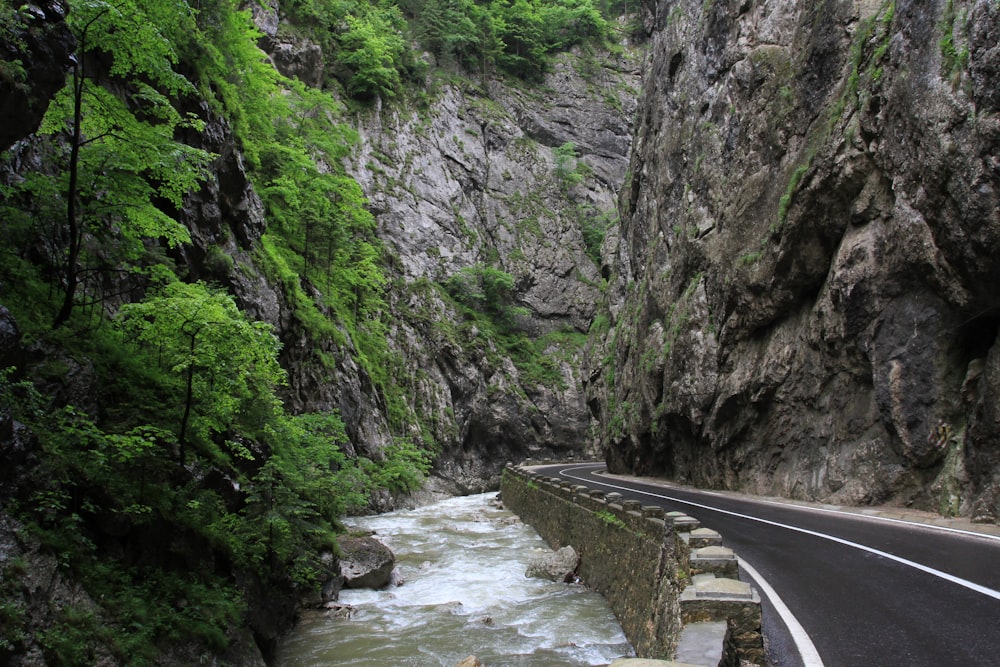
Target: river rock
<point x="471" y="661"/>
<point x="365" y="562"/>
<point x="556" y="566"/>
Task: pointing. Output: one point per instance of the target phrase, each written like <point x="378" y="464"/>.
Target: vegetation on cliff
<point x="149" y="450"/>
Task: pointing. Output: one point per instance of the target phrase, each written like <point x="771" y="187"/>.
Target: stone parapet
<point x="628" y="557"/>
<point x="658" y="570"/>
<point x="718" y="560"/>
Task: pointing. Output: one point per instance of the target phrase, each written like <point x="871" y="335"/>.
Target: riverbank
<point x="462" y="562"/>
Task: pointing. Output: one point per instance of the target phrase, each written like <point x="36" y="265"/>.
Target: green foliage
<point x="235" y="78"/>
<point x="486" y="296"/>
<point x="85" y="473"/>
<point x="367" y="42"/>
<point x="594" y="226"/>
<point x="307" y="453"/>
<point x="954" y="58"/>
<point x="403" y="468"/>
<point x="569" y="170"/>
<point x="610" y="519"/>
<point x="189" y="439"/>
<point x="123" y="166"/>
<point x="219" y="370"/>
<point x="13" y="622"/>
<point x="531" y="29"/>
<point x="319" y="211"/>
<point x="13" y="23"/>
<point x="600" y="326"/>
<point x="786" y="199"/>
<point x="484" y="289"/>
<point x="373" y="51"/>
<point x="459" y="31"/>
<point x="364" y="42"/>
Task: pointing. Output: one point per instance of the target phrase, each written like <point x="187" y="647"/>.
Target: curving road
<point x="846" y="588"/>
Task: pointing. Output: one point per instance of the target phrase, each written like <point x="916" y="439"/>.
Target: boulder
<point x="365" y="562"/>
<point x="556" y="566"/>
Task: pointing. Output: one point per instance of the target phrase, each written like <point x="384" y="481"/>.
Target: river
<point x="462" y="561"/>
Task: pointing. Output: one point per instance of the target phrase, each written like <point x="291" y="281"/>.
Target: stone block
<point x="718" y="560"/>
<point x="632" y="505"/>
<point x="683" y="523"/>
<point x="704" y="537"/>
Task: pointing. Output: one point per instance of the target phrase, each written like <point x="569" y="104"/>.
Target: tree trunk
<point x="73" y="225"/>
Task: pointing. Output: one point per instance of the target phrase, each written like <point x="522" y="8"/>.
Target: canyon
<point x="753" y="245"/>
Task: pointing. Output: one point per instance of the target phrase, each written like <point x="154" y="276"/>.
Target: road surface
<point x="846" y="588"/>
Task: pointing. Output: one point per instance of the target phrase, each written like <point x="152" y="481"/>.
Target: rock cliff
<point x="34" y="57"/>
<point x="476" y="179"/>
<point x="466" y="179"/>
<point x="803" y="297"/>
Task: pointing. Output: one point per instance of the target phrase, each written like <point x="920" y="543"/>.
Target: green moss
<point x="786" y="199"/>
<point x="954" y="58"/>
<point x="610" y="519"/>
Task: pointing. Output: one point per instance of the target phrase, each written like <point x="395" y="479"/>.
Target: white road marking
<point x="807" y="651"/>
<point x="971" y="585"/>
<point x="888" y="519"/>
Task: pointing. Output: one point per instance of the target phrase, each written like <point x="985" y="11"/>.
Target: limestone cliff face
<point x="467" y="177"/>
<point x="474" y="179"/>
<point x="804" y="296"/>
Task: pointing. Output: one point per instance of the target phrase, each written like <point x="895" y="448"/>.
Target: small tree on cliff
<point x="218" y="368"/>
<point x="121" y="164"/>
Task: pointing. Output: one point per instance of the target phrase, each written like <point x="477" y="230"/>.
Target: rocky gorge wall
<point x="467" y="177"/>
<point x="803" y="297"/>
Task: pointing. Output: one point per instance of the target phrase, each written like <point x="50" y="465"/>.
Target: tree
<point x="484" y="289"/>
<point x="221" y="370"/>
<point x="522" y="32"/>
<point x="122" y="156"/>
<point x="373" y="50"/>
<point x="447" y="29"/>
<point x="567" y="165"/>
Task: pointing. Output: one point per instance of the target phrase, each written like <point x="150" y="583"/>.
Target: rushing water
<point x="464" y="593"/>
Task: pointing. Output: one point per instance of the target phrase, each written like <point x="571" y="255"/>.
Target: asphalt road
<point x="849" y="589"/>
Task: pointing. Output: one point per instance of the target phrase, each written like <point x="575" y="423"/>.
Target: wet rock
<point x="365" y="562"/>
<point x="337" y="610"/>
<point x="560" y="565"/>
<point x="299" y="59"/>
<point x="471" y="661"/>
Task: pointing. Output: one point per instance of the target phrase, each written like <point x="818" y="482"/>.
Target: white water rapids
<point x="464" y="593"/>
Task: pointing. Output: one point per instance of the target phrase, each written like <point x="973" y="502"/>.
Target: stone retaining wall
<point x="637" y="558"/>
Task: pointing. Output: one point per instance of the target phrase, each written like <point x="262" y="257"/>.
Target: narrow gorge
<point x="266" y="264"/>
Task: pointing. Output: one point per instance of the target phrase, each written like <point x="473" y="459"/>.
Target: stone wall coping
<point x="654" y="511"/>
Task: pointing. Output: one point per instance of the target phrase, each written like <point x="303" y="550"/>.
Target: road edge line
<point x="803" y="644"/>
